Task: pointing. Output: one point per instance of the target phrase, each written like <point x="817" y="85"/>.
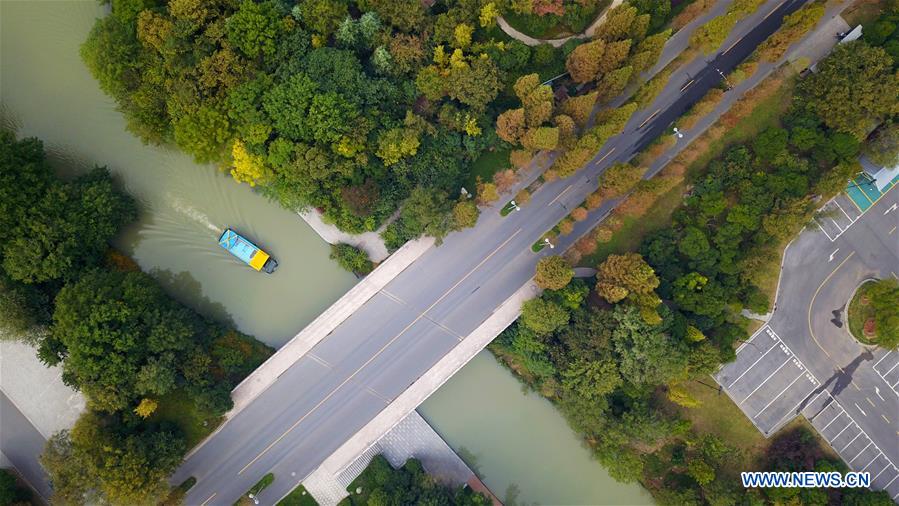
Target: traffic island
<point x="251" y="498"/>
<point x="862" y="315"/>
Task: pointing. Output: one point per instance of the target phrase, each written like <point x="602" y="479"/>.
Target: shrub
<point x="351" y="258"/>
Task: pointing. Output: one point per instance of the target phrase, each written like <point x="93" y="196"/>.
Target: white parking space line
<point x="843" y="210"/>
<point x="859" y="454"/>
<point x="851" y="421"/>
<point x="832" y="239"/>
<point x="891" y="370"/>
<point x="833" y="420"/>
<point x="891" y="481"/>
<point x="853" y="439"/>
<point x="787" y="361"/>
<point x="885" y="355"/>
<point x="872" y="461"/>
<point x="734" y="382"/>
<point x="801" y="374"/>
<point x="881" y="472"/>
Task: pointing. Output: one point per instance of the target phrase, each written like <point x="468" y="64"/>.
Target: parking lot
<point x="767" y="381"/>
<point x="853" y="445"/>
<point x="842" y="211"/>
<point x="772" y="386"/>
<point x="887" y="367"/>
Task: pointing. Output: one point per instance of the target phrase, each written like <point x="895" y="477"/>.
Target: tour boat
<point x="247" y="252"/>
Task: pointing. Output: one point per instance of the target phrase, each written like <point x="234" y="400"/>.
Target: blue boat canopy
<point x="246" y="251"/>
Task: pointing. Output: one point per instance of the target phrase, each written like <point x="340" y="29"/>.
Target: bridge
<point x="368" y="361"/>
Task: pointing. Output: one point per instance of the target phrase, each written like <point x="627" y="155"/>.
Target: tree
<point x="884" y="295"/>
<point x="770" y="143"/>
<point x="23" y="311"/>
<point x="584" y="62"/>
<point x="488" y="15"/>
<point x="255" y="27"/>
<point x="510" y="125"/>
<point x="553" y="273"/>
<point x="120" y="334"/>
<point x="247" y="167"/>
<point x="351" y="258"/>
<point x="67" y="230"/>
<point x="713" y="33"/>
<point x="580" y="107"/>
<point x="700" y="471"/>
<point x="622" y="275"/>
<point x="647" y="354"/>
<point x="24" y="177"/>
<point x="404" y="15"/>
<point x="103" y="456"/>
<point x="11" y="493"/>
<point x="619" y="179"/>
<point x="591" y="380"/>
<point x="882" y="147"/>
<point x="204" y="133"/>
<point x="854" y="88"/>
<point x="465" y="214"/>
<point x="542" y="316"/>
<point x="322" y="16"/>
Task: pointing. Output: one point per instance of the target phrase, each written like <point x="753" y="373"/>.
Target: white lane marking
<point x="753" y="365"/>
<point x="801" y="374"/>
<point x="832" y="254"/>
<point x="860" y="409"/>
<point x="859" y="454"/>
<point x="860" y="432"/>
<point x="787" y="361"/>
<point x="885" y="355"/>
<point x="891" y="208"/>
<point x="851" y="421"/>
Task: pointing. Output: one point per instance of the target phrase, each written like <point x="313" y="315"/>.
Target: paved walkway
<point x="371" y="242"/>
<point x="38" y="390"/>
<point x="531" y="41"/>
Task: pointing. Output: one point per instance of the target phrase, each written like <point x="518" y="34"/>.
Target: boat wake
<point x="194" y="214"/>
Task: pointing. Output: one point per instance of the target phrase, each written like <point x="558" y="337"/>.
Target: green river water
<point x="519" y="444"/>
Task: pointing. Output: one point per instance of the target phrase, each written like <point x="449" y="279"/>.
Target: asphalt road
<point x="22" y="444"/>
<point x="805" y="361"/>
<point x="342" y="383"/>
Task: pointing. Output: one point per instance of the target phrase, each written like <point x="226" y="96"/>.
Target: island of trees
<point x="156" y="375"/>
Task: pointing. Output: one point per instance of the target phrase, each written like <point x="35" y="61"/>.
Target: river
<point x="516" y="440"/>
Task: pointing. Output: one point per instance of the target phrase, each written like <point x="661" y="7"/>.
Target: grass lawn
<point x="860" y="311"/>
<point x="298" y="497"/>
<point x="863" y="11"/>
<point x="765" y="114"/>
<point x="178" y="408"/>
<point x="488" y="164"/>
<point x="719" y="415"/>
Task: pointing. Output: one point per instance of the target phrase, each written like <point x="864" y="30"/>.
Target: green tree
<point x="591" y="380"/>
<point x="884" y="295"/>
<point x="351" y="258"/>
<point x="465" y="214"/>
<point x="255" y="27"/>
<point x="11" y="493"/>
<point x="323" y="16"/>
<point x="120" y="335"/>
<point x="67" y="230"/>
<point x="23" y="311"/>
<point x="647" y="354"/>
<point x="854" y="88"/>
<point x="542" y="316"/>
<point x="206" y="133"/>
<point x="622" y="275"/>
<point x="882" y="147"/>
<point x="553" y="273"/>
<point x="24" y="177"/>
<point x="619" y="179"/>
<point x="103" y="458"/>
